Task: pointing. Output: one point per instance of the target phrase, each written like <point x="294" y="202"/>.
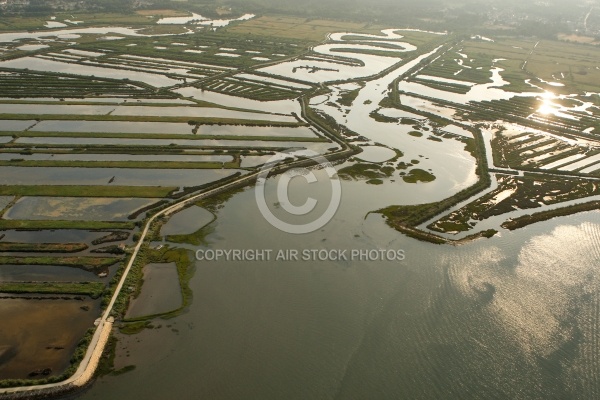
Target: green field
<point x="93" y="289"/>
<point x="39" y="225"/>
<point x="42" y="247"/>
<point x="86" y="191"/>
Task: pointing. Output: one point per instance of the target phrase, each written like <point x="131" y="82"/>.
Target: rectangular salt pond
<point x="84" y="53"/>
<point x="254" y="161"/>
<point x="119" y="157"/>
<point x="199" y="112"/>
<point x="165" y="61"/>
<point x="583" y="163"/>
<point x="45" y="273"/>
<point x="267" y="131"/>
<point x="75" y="208"/>
<point x="54" y="109"/>
<point x="187" y="221"/>
<point x="277" y="106"/>
<point x="37" y="324"/>
<point x="590" y="169"/>
<point x="178" y="128"/>
<point x="37" y="64"/>
<point x="53" y="236"/>
<point x="319" y="147"/>
<point x="15" y="125"/>
<point x="116" y="100"/>
<point x="445" y="80"/>
<point x="101" y="176"/>
<point x="275" y="81"/>
<point x="113" y="127"/>
<point x="161" y="291"/>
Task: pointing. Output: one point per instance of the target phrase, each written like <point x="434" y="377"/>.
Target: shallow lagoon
<point x="62" y="324"/>
<point x="52" y="236"/>
<point x="45" y="273"/>
<point x="482" y="313"/>
<point x="101" y="176"/>
<point x="38" y="64"/>
<point x="319" y="147"/>
<point x="75" y="208"/>
<point x="181" y="128"/>
<point x="160" y="294"/>
<point x="119" y="157"/>
<point x="187" y="221"/>
<point x="15" y="125"/>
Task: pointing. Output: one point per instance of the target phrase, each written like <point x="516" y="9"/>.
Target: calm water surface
<point x="515" y="316"/>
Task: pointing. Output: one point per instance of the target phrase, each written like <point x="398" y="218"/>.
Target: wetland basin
<point x="38" y="64"/>
<point x="187" y="221"/>
<point x="42" y="333"/>
<point x="52" y="236"/>
<point x="160" y="293"/>
<point x="75" y="208"/>
<point x="15" y="125"/>
<point x="120" y="157"/>
<point x="319" y="147"/>
<point x="89" y="127"/>
<point x="102" y="176"/>
<point x="45" y="273"/>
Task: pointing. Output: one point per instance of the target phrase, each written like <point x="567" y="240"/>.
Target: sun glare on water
<point x="547" y="107"/>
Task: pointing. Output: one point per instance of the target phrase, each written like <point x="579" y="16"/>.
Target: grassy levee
<point x="207" y="186"/>
<point x="331" y="129"/>
<point x="218" y="149"/>
<point x="134" y="280"/>
<point x="86" y="263"/>
<point x="200" y="136"/>
<point x="525" y="220"/>
<point x="84" y="191"/>
<point x="85" y="101"/>
<point x="92" y="289"/>
<point x="42" y="247"/>
<point x="33" y="225"/>
<point x="147" y="118"/>
<point x="121" y="164"/>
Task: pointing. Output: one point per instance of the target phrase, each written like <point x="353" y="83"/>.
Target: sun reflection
<point x="548" y="107"/>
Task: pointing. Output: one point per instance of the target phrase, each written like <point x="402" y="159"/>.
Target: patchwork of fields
<point x="102" y="127"/>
